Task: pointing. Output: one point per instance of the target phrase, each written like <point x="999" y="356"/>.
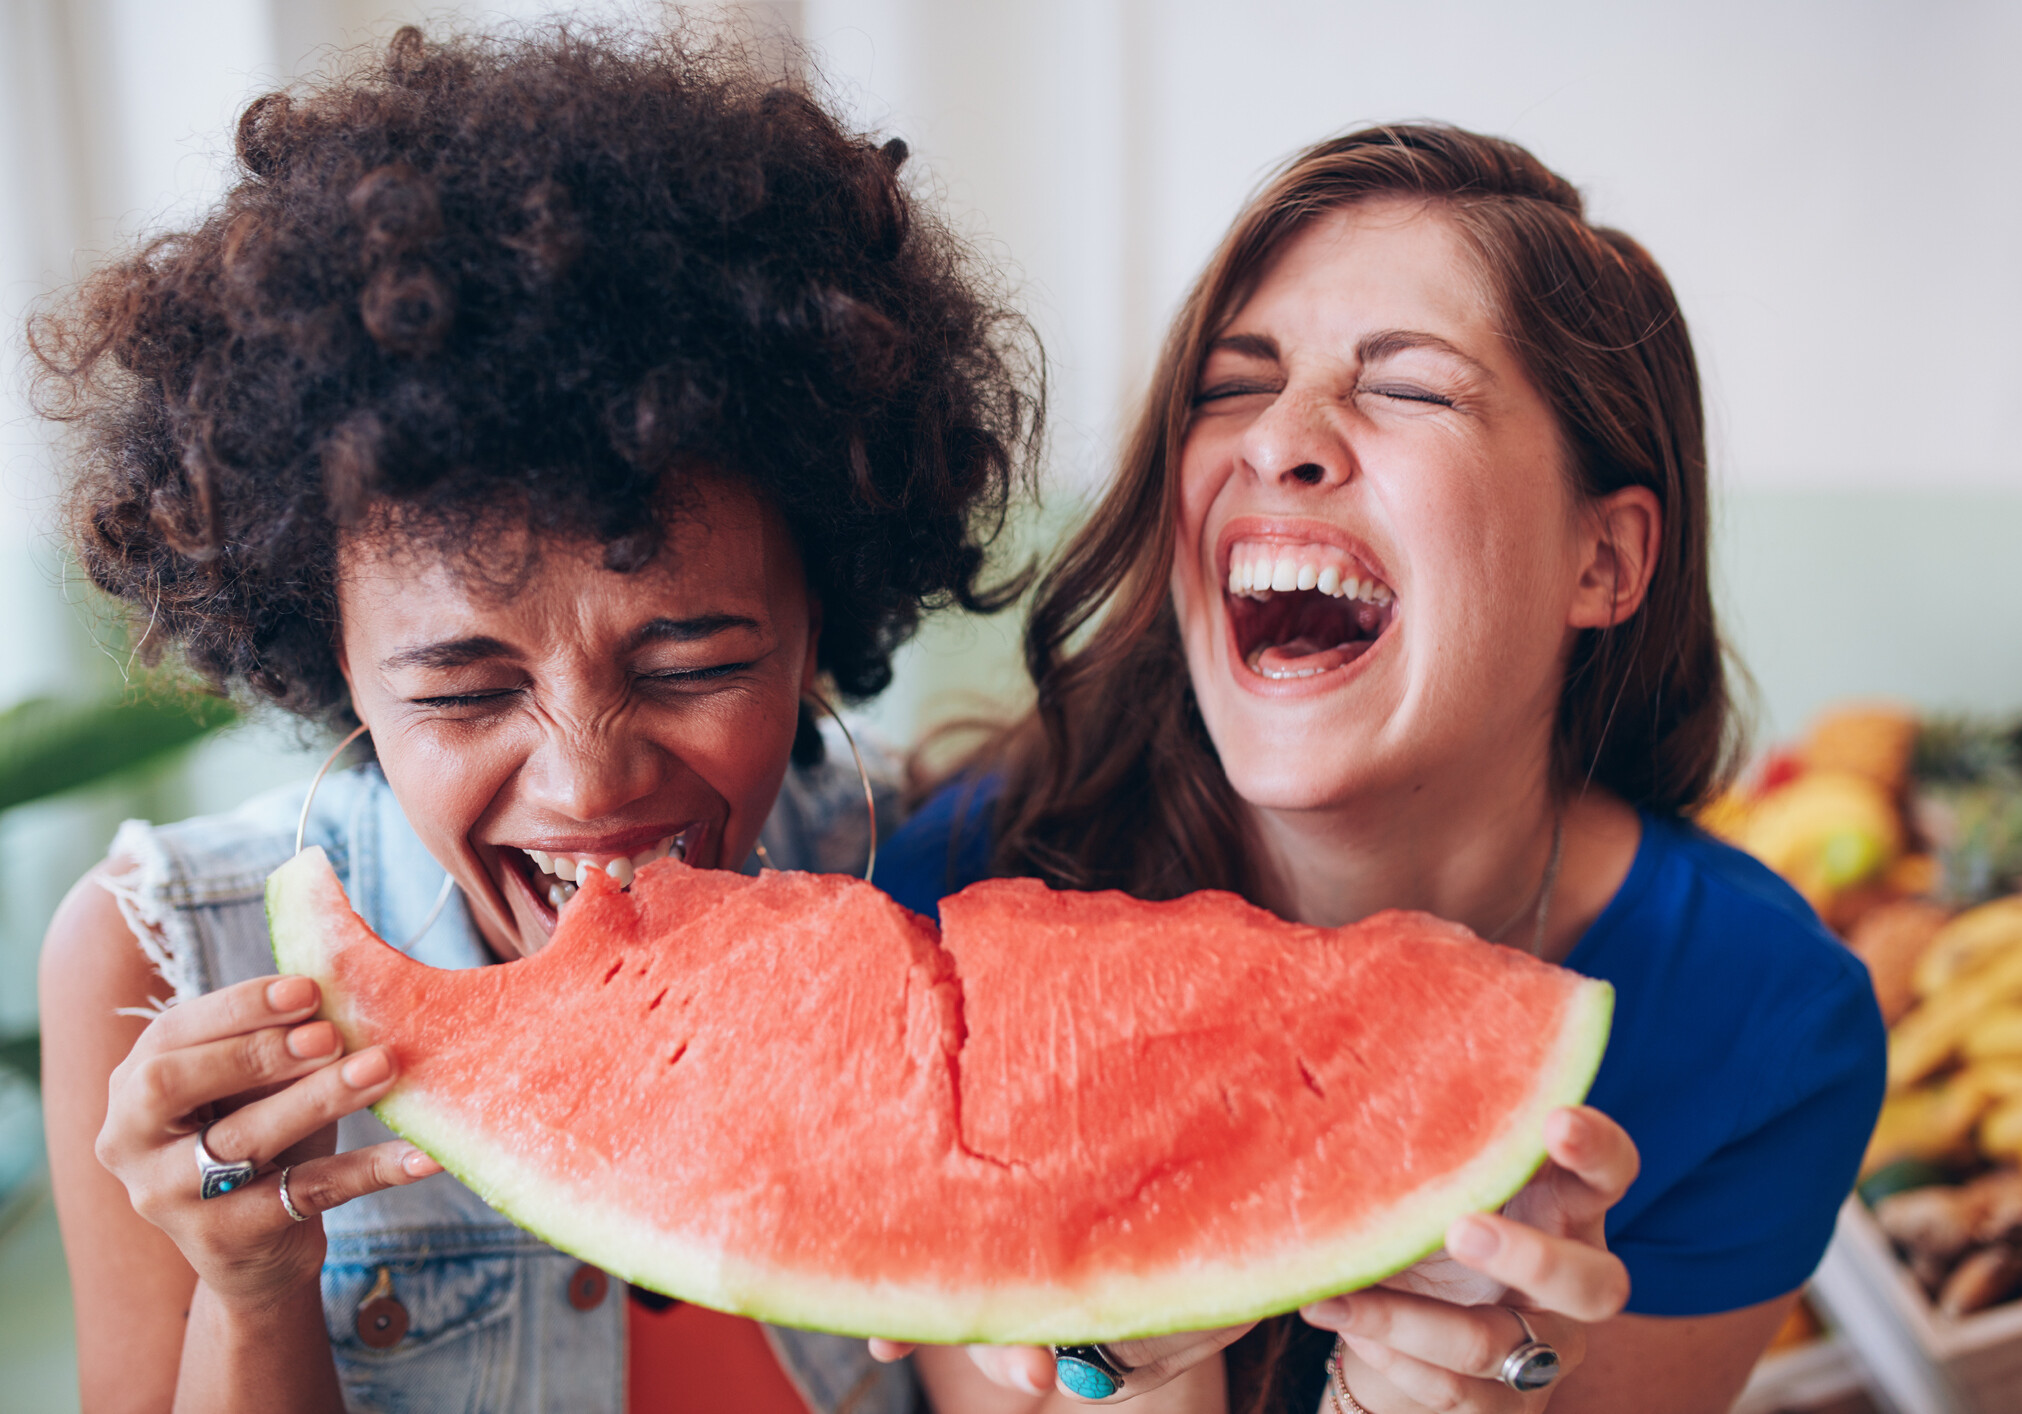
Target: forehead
<point x="1386" y="262"/>
<point x="720" y="542"/>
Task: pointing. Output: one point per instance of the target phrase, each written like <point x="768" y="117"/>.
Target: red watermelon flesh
<point x="1073" y="1117"/>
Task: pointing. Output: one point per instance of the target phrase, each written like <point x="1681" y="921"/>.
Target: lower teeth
<point x="1256" y="665"/>
<point x="559" y="894"/>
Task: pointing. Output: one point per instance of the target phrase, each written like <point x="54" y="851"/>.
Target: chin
<point x="1280" y="773"/>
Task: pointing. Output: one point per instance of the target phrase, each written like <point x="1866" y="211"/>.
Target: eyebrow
<point x="461" y="652"/>
<point x="450" y="653"/>
<point x="1370" y="348"/>
<point x="1385" y="342"/>
<point x="1261" y="346"/>
<point x="688" y="630"/>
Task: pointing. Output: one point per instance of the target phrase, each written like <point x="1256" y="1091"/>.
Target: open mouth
<point x="1298" y="611"/>
<point x="552" y="878"/>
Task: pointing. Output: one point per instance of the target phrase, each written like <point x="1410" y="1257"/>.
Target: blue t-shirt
<point x="1747" y="1058"/>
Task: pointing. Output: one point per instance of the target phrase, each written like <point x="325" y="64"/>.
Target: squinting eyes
<point x="1223" y="391"/>
<point x="1403" y="393"/>
<point x="674" y="680"/>
<point x="1410" y="395"/>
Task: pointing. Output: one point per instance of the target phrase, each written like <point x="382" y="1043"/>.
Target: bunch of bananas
<point x="1955" y="1058"/>
<point x="1887" y="825"/>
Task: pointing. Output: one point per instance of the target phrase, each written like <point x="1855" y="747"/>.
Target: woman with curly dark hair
<point x="567" y="411"/>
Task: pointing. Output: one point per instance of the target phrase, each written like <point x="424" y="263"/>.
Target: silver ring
<point x="1090" y="1372"/>
<point x="289" y="1203"/>
<point x="217" y="1179"/>
<point x="1533" y="1365"/>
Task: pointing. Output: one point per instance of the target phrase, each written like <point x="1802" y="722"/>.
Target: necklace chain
<point x="1541" y="902"/>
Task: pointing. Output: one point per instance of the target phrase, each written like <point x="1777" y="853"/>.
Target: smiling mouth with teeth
<point x="1298" y="611"/>
<point x="555" y="877"/>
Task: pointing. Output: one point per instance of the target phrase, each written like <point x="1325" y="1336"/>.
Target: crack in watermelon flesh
<point x="1072" y="1117"/>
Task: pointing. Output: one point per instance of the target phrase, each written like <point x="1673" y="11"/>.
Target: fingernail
<point x="290" y="993"/>
<point x="419" y="1164"/>
<point x="368" y="1069"/>
<point x="1331" y="1314"/>
<point x="318" y="1038"/>
<point x="1473" y="1240"/>
<point x="1563" y="1129"/>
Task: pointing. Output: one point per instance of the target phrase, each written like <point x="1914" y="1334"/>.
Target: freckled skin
<point x="578" y="733"/>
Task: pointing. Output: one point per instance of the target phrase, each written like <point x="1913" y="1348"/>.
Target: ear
<point x="810" y="668"/>
<point x="344" y="668"/>
<point x="1624" y="530"/>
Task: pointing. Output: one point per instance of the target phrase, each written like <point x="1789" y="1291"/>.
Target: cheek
<point x="739" y="745"/>
<point x="447" y="780"/>
<point x="1200" y="483"/>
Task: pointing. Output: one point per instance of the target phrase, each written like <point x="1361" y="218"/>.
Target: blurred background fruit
<point x="1905" y="833"/>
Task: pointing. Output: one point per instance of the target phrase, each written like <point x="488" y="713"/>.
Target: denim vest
<point x="491" y="1326"/>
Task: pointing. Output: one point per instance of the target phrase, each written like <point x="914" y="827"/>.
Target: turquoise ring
<point x="1090" y="1372"/>
<point x="218" y="1179"/>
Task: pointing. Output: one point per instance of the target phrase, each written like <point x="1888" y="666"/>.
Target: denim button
<point x="381" y="1320"/>
<point x="587" y="1286"/>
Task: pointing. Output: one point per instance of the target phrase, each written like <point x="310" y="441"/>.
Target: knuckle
<point x="260" y="1053"/>
<point x="1446" y="1391"/>
<point x="148" y="1200"/>
<point x="1479" y="1348"/>
<point x="245" y="1005"/>
<point x="155" y="1080"/>
<point x="106" y="1148"/>
<point x="1611" y="1291"/>
<point x="315" y="1191"/>
<point x="1370" y="1315"/>
<point x="1540" y="1260"/>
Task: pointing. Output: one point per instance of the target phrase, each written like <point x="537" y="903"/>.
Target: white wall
<point x="1831" y="185"/>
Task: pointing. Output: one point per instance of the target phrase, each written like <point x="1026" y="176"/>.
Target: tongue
<point x="1302" y="657"/>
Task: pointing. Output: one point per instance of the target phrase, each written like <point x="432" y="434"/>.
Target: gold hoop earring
<point x="302" y="827"/>
<point x="870" y="797"/>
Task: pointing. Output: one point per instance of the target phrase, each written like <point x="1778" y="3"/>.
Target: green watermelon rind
<point x="1199" y="1298"/>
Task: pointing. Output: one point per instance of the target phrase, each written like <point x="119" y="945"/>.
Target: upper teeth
<point x="1262" y="569"/>
<point x="572" y="868"/>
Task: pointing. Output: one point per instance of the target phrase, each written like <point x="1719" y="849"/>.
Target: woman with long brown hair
<point x="1400" y="599"/>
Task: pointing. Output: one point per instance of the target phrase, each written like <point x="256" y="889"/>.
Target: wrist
<point x="256" y="1310"/>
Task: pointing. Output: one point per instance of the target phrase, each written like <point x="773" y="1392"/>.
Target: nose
<point x="591" y="769"/>
<point x="1297" y="441"/>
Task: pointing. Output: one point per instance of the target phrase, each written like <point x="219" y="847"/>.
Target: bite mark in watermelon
<point x="1071" y="1117"/>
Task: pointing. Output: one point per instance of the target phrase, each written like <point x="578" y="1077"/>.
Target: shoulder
<point x="1703" y="936"/>
<point x="190" y="896"/>
<point x="944" y="847"/>
<point x="90" y="973"/>
<point x="1747" y="1061"/>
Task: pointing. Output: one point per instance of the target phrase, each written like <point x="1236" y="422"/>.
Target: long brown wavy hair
<point x="1112" y="782"/>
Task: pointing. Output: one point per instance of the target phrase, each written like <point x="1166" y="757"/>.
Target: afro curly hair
<point x="555" y="272"/>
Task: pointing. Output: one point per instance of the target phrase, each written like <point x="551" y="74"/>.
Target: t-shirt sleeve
<point x="942" y="848"/>
<point x="1751" y="1222"/>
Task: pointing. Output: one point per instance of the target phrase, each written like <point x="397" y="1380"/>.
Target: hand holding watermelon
<point x="1432" y="1335"/>
<point x="279" y="1081"/>
<point x="1435" y="1334"/>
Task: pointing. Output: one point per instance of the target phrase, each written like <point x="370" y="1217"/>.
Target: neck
<point x="1473" y="846"/>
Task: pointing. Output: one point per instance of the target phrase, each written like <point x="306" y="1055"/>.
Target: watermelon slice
<point x="1072" y="1117"/>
